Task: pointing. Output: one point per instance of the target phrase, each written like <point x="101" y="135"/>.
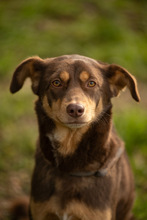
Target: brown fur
<point x="76" y="136"/>
<point x="19" y="209"/>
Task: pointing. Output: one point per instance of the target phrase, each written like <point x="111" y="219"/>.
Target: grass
<point x="112" y="31"/>
<point x="133" y="131"/>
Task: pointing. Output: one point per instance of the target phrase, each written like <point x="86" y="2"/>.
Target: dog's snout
<point x="75" y="110"/>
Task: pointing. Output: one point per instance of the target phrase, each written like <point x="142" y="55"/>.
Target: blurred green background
<point x="113" y="31"/>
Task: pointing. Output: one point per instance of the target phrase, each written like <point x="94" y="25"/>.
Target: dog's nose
<point x="75" y="110"/>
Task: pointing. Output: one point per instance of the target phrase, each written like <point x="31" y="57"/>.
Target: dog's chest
<point x="67" y="140"/>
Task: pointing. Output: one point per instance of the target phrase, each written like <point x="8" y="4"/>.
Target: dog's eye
<point x="91" y="84"/>
<point x="56" y="83"/>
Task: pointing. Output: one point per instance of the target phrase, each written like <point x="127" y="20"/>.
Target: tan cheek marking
<point x="51" y="112"/>
<point x="84" y="76"/>
<point x="90" y="109"/>
<point x="64" y="76"/>
<point x="100" y="108"/>
<point x="46" y="105"/>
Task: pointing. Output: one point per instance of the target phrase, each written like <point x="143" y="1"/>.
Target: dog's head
<point x="74" y="90"/>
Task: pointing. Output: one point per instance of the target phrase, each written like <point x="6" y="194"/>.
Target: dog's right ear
<point x="31" y="67"/>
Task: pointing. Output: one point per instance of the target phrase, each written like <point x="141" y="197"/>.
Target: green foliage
<point x="112" y="31"/>
<point x="132" y="126"/>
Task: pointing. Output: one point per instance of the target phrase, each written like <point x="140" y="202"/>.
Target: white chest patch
<point x="65" y="217"/>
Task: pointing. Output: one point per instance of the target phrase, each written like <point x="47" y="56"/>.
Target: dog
<point x="81" y="166"/>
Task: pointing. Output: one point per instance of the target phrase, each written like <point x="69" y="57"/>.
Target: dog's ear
<point x="31" y="67"/>
<point x="119" y="78"/>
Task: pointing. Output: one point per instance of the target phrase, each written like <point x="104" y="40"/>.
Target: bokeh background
<point x="113" y="31"/>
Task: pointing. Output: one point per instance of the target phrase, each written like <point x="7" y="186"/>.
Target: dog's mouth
<point x="73" y="124"/>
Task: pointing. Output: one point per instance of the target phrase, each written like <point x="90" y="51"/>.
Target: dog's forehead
<point x="72" y="64"/>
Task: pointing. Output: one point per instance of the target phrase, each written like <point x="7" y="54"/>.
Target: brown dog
<point x="81" y="171"/>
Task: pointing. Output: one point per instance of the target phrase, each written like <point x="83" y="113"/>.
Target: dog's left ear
<point x="119" y="78"/>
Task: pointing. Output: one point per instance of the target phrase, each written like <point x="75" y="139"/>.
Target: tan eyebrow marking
<point x="84" y="76"/>
<point x="64" y="76"/>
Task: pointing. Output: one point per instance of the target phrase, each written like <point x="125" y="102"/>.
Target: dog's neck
<point x="76" y="149"/>
<point x="66" y="140"/>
